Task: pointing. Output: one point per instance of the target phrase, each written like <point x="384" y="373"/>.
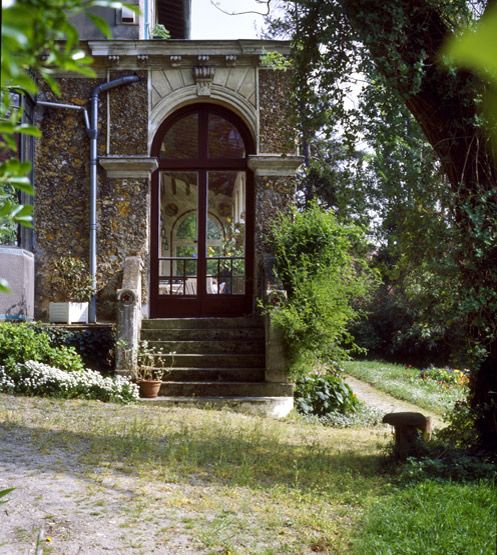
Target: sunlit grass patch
<point x="431" y="518"/>
<point x="405" y="383"/>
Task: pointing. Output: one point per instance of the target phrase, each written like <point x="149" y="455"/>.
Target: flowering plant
<point x="446" y="376"/>
<point x="147" y="357"/>
<point x="36" y="378"/>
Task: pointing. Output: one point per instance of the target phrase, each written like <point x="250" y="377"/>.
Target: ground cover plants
<point x="433" y="389"/>
<point x="36" y="378"/>
<point x="209" y="481"/>
<point x="30" y="364"/>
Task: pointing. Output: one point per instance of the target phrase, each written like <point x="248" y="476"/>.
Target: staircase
<point x="214" y="359"/>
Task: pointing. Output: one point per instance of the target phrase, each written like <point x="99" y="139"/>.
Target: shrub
<point x="35" y="378"/>
<point x="94" y="345"/>
<point x="20" y="342"/>
<point x="322" y="265"/>
<point x="71" y="280"/>
<point x="322" y="394"/>
<point x="460" y="431"/>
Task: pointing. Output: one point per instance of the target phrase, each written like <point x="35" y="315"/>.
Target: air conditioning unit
<point x="17" y="266"/>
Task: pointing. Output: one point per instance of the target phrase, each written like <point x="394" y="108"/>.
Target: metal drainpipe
<point x="93" y="132"/>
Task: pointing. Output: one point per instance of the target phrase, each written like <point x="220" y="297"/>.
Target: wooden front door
<point x="202" y="235"/>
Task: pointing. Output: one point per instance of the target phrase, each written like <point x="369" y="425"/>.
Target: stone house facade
<point x="195" y="156"/>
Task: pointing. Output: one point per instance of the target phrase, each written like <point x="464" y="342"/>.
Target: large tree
<point x="399" y="43"/>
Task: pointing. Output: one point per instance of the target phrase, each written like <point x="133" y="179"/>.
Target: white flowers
<point x="36" y="378"/>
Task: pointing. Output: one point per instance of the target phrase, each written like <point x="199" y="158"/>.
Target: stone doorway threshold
<point x="274" y="407"/>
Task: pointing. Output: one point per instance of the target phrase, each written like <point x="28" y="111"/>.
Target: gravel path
<point x="81" y="510"/>
<point x="384" y="402"/>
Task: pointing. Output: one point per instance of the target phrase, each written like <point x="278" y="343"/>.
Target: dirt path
<point x="81" y="510"/>
<point x="384" y="402"/>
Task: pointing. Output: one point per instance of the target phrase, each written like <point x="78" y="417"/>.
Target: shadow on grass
<point x="214" y="454"/>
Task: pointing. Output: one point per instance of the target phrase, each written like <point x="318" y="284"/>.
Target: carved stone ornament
<point x="113" y="59"/>
<point x="175" y="61"/>
<point x="203" y="76"/>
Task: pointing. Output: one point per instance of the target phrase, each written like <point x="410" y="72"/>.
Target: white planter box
<point x="68" y="313"/>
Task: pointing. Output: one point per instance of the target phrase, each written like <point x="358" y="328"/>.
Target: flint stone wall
<point x="276" y="116"/>
<point x="62" y="180"/>
<point x="62" y="187"/>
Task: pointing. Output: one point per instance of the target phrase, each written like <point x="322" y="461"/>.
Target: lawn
<point x="206" y="481"/>
<point x="404" y="383"/>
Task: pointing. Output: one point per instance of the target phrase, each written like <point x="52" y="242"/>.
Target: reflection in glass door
<point x="202" y="215"/>
<point x="178" y="233"/>
<point x="225" y="238"/>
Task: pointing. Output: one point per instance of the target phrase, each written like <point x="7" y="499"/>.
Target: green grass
<point x="431" y="518"/>
<point x="403" y="383"/>
<point x="227" y="482"/>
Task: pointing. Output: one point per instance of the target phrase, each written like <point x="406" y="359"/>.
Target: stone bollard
<point x="410" y="429"/>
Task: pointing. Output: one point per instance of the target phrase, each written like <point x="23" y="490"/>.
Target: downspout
<point x="146" y="24"/>
<point x="93" y="132"/>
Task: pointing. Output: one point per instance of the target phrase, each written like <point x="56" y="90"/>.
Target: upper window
<point x="203" y="133"/>
<point x="224" y="139"/>
<point x="181" y="141"/>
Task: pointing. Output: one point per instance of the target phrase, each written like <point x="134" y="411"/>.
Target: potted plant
<point x="149" y="376"/>
<point x="71" y="290"/>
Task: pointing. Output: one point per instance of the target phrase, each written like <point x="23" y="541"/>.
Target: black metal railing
<point x="225" y="275"/>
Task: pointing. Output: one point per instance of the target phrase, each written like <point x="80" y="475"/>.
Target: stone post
<point x="129" y="316"/>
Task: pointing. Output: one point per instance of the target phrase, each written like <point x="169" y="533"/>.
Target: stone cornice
<point x="183" y="53"/>
<point x="128" y="166"/>
<point x="274" y="164"/>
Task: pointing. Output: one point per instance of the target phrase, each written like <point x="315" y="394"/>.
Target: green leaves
<point x="5" y="492"/>
<point x="476" y="48"/>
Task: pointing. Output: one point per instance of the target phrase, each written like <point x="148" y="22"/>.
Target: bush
<point x="94" y="345"/>
<point x="20" y="343"/>
<point x="35" y="378"/>
<point x="460" y="431"/>
<point x="322" y="265"/>
<point x="324" y="394"/>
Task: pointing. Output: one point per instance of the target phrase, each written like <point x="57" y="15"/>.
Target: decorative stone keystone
<point x="128" y="166"/>
<point x="410" y="427"/>
<point x="203" y="76"/>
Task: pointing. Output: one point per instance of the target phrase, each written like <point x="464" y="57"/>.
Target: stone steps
<point x="203" y="334"/>
<point x="202" y="323"/>
<point x="215" y="359"/>
<point x="211" y="347"/>
<point x="215" y="375"/>
<point x="224" y="389"/>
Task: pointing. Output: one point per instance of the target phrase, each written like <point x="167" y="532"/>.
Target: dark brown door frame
<point x="202" y="304"/>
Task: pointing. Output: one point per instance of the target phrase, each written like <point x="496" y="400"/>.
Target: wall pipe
<point x="93" y="132"/>
<point x="67" y="106"/>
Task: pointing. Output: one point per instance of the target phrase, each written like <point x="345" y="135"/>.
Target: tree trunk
<point x="405" y="39"/>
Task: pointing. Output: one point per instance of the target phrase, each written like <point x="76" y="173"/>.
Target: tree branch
<point x="266" y="3"/>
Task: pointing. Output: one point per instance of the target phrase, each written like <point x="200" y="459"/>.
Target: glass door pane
<point x="178" y="233"/>
<point x="225" y="234"/>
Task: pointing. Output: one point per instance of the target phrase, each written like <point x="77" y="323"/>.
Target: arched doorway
<point x="202" y="231"/>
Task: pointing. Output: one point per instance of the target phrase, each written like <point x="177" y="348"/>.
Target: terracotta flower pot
<point x="149" y="388"/>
